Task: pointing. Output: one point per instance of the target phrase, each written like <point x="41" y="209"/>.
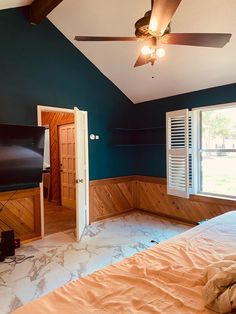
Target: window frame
<point x="197" y="150"/>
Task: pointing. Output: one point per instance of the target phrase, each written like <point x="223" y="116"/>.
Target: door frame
<point x="40" y="109"/>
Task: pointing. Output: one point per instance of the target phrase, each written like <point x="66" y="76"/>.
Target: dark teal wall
<point x="152" y="160"/>
<point x="38" y="65"/>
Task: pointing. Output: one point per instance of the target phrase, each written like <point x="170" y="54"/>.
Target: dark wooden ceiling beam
<point x="39" y="9"/>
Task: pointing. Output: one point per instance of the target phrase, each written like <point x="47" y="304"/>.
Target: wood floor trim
<point x="169" y="217"/>
<point x="126" y="212"/>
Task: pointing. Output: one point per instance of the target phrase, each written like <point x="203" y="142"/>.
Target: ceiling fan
<point x="154" y="28"/>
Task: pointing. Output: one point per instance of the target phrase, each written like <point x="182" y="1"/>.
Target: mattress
<point x="167" y="278"/>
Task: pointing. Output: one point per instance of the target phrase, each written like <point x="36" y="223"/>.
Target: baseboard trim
<point x="34" y="238"/>
<point x="156" y="214"/>
<point x="170" y="217"/>
<point x="112" y="215"/>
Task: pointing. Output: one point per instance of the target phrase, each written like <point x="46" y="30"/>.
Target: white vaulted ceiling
<point x="183" y="69"/>
<point x="7" y="4"/>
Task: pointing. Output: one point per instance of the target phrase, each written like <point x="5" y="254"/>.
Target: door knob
<point x="79" y="181"/>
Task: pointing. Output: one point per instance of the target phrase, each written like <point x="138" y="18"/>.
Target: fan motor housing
<point x="142" y="27"/>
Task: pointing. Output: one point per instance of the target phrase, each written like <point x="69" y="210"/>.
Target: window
<point x="205" y="160"/>
<point x="217" y="151"/>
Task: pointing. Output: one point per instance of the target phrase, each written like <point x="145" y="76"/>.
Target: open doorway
<point x="64" y="191"/>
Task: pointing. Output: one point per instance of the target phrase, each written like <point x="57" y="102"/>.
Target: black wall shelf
<point x="135" y="145"/>
<point x="134" y="137"/>
<point x="139" y="129"/>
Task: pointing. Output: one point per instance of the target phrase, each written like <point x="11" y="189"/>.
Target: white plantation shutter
<point x="190" y="153"/>
<point x="177" y="149"/>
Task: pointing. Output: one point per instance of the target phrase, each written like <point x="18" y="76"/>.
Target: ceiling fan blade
<point x="197" y="39"/>
<point x="142" y="60"/>
<point x="105" y="38"/>
<point x="162" y="12"/>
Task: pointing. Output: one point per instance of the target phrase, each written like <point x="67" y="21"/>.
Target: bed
<point x="167" y="278"/>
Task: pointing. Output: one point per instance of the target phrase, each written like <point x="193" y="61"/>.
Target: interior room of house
<point x="117" y="156"/>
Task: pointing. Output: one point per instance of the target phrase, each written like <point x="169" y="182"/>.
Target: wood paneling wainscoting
<point x="109" y="197"/>
<point x="152" y="196"/>
<point x="113" y="196"/>
<point x="20" y="211"/>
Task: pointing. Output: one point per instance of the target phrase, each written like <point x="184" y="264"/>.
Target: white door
<point x="81" y="171"/>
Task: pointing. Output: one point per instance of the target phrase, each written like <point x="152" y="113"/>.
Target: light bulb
<point x="153" y="25"/>
<point x="146" y="50"/>
<point x="160" y="52"/>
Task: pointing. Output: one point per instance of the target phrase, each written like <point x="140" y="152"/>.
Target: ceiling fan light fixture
<point x="160" y="52"/>
<point x="147" y="50"/>
<point x="154" y="29"/>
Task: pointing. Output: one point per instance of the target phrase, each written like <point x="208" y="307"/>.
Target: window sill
<point x="209" y="198"/>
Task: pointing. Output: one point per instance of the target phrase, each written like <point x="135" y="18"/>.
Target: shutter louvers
<point x="177" y="153"/>
<point x="190" y="152"/>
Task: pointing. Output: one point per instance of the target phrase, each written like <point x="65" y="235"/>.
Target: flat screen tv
<point x="21" y="156"/>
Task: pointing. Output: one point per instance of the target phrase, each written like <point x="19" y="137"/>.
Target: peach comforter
<point x="167" y="278"/>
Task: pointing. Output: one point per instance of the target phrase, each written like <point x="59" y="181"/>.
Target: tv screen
<point x="21" y="156"/>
